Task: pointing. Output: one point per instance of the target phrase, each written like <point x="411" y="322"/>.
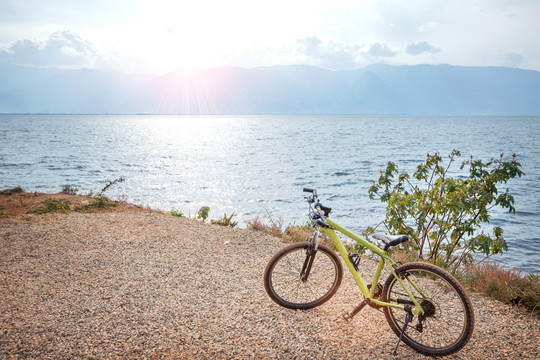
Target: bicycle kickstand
<point x="408" y="319"/>
<point x="350" y="315"/>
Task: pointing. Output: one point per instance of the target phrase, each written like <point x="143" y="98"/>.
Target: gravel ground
<point x="149" y="285"/>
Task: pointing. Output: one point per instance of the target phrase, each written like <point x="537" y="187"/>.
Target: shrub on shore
<point x="15" y="190"/>
<point x="53" y="205"/>
<point x="443" y="214"/>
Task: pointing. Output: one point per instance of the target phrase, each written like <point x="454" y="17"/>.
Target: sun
<point x="175" y="34"/>
<point x="192" y="34"/>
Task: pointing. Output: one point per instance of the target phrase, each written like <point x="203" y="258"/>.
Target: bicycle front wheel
<point x="299" y="279"/>
<point x="448" y="320"/>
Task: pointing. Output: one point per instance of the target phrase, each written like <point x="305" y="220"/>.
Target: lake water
<point x="257" y="165"/>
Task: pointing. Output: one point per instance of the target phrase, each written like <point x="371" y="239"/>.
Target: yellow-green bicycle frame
<point x="384" y="259"/>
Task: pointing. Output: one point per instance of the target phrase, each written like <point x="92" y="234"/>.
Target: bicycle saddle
<point x="391" y="240"/>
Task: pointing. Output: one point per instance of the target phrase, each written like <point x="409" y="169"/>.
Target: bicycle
<point x="424" y="305"/>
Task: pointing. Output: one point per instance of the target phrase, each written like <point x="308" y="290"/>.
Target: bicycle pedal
<point x="347" y="316"/>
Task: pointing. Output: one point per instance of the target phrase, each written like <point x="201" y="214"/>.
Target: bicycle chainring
<point x="376" y="295"/>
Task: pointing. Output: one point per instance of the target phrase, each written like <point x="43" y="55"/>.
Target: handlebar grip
<point x="308" y="190"/>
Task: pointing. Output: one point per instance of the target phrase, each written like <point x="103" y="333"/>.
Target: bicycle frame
<point x="384" y="259"/>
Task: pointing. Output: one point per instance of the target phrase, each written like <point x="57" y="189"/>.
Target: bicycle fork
<point x="306" y="268"/>
<point x="313" y="244"/>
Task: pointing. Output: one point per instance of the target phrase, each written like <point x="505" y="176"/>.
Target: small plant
<point x="100" y="202"/>
<point x="15" y="190"/>
<point x="258" y="225"/>
<point x="109" y="184"/>
<point x="52" y="205"/>
<point x="177" y="213"/>
<point x="296" y="234"/>
<point x="69" y="190"/>
<point x="203" y="213"/>
<point x="226" y="221"/>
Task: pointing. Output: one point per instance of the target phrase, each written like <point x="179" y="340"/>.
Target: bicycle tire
<point x="283" y="282"/>
<point x="449" y="321"/>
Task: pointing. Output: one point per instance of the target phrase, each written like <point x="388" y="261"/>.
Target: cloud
<point x="339" y="55"/>
<point x="62" y="49"/>
<point x="329" y="54"/>
<point x="381" y="50"/>
<point x="420" y="47"/>
<point x="310" y="46"/>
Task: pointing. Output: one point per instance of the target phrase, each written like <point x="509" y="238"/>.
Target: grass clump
<point x="503" y="284"/>
<point x="258" y="225"/>
<point x="52" y="205"/>
<point x="177" y="213"/>
<point x="100" y="202"/>
<point x="69" y="190"/>
<point x="15" y="190"/>
<point x="297" y="233"/>
<point x="226" y="221"/>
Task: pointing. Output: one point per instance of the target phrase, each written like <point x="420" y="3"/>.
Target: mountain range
<point x="294" y="89"/>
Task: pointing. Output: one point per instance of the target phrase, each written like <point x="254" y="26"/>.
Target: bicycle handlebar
<point x="321" y="220"/>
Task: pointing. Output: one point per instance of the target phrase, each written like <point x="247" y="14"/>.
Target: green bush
<point x="442" y="214"/>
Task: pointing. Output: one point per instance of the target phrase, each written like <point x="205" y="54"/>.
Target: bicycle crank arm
<point x="349" y="316"/>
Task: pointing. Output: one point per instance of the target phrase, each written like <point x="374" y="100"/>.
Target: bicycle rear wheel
<point x="448" y="322"/>
<point x="286" y="283"/>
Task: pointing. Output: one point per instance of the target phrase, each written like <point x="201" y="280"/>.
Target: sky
<point x="158" y="36"/>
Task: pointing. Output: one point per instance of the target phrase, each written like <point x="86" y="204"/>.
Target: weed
<point x="226" y="221"/>
<point x="101" y="202"/>
<point x="52" y="205"/>
<point x="177" y="213"/>
<point x="203" y="213"/>
<point x="68" y="189"/>
<point x="109" y="184"/>
<point x="11" y="191"/>
<point x="295" y="233"/>
<point x="258" y="225"/>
